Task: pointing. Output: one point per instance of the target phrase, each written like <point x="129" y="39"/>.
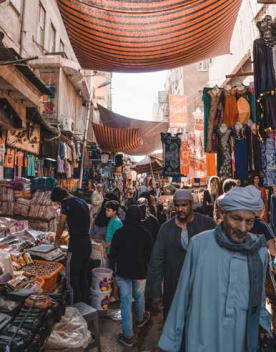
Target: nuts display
<point x="41" y="269"/>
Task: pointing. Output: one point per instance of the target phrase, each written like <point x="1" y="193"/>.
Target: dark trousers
<point x="78" y="264"/>
<point x="271" y="295"/>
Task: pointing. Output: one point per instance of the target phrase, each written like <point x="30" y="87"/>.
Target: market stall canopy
<point x="150" y="164"/>
<point x="117" y="139"/>
<point x="149" y="130"/>
<point x="143" y="35"/>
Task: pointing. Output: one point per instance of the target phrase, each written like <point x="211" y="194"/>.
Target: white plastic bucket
<point x="100" y="300"/>
<point x="102" y="279"/>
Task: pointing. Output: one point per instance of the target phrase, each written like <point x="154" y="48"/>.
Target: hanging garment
<point x="171" y="154"/>
<point x="224" y="158"/>
<point x="62" y="150"/>
<point x="243" y="110"/>
<point x="31" y="166"/>
<point x="215" y="118"/>
<point x="184" y="158"/>
<point x="269" y="160"/>
<point x="241" y="155"/>
<point x="273" y="212"/>
<point x="252" y="101"/>
<point x="207" y="105"/>
<point x="2" y="157"/>
<point x="265" y="84"/>
<point x="255" y="154"/>
<point x="211" y="164"/>
<point x="230" y="116"/>
<point x="10" y="158"/>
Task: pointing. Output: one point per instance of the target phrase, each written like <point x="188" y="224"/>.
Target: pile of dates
<point x="41" y="269"/>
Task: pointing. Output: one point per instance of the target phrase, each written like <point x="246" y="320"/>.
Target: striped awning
<point x="117" y="139"/>
<point x="148" y="35"/>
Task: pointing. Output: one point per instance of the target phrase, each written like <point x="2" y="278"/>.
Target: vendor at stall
<point x="74" y="212"/>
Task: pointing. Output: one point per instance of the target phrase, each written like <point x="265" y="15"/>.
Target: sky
<point x="134" y="94"/>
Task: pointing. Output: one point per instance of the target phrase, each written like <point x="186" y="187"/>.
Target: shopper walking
<point x="210" y="195"/>
<point x="170" y="248"/>
<point x="75" y="213"/>
<point x="112" y="208"/>
<point x="149" y="221"/>
<point x="219" y="303"/>
<point x="131" y="248"/>
<point x="96" y="200"/>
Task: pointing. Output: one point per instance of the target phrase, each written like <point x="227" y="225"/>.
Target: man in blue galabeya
<point x="219" y="304"/>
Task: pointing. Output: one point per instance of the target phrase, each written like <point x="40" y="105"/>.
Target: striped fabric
<point x="117" y="139"/>
<point x="148" y="35"/>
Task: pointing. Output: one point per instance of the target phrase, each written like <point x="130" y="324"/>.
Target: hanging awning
<point x="150" y="164"/>
<point x="143" y="35"/>
<point x="117" y="139"/>
<point x="149" y="130"/>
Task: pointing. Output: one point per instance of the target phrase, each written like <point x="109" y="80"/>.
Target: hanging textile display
<point x="229" y="131"/>
<point x="171" y="154"/>
<point x="143" y="35"/>
<point x="264" y="76"/>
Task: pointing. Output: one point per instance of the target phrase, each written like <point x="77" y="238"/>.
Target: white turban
<point x="241" y="198"/>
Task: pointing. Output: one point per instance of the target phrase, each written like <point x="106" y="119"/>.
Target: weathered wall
<point x="10" y="24"/>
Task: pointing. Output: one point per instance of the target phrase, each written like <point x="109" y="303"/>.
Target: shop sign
<point x="27" y="140"/>
<point x="178" y="114"/>
<point x="163" y="97"/>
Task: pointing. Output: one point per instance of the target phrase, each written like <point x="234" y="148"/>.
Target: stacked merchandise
<point x="26" y="323"/>
<point x="6" y="199"/>
<point x="21" y="187"/>
<point x="21" y="207"/>
<point x="43" y="212"/>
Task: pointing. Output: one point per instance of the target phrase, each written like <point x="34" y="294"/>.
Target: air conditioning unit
<point x="68" y="125"/>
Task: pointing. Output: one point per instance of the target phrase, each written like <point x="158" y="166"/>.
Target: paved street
<point x="146" y="338"/>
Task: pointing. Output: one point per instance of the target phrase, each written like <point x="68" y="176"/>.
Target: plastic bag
<point x="70" y="333"/>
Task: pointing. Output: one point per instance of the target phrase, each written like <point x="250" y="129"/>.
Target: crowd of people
<point x="208" y="266"/>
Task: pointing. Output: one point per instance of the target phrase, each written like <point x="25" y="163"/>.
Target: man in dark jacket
<point x="170" y="248"/>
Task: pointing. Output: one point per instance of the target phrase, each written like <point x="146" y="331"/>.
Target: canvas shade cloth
<point x="149" y="130"/>
<point x="117" y="139"/>
<point x="143" y="35"/>
<point x="149" y="164"/>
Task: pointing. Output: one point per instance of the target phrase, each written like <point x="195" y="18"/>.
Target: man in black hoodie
<point x="131" y="249"/>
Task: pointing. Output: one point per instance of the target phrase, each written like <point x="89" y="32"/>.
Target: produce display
<point x="40" y="269"/>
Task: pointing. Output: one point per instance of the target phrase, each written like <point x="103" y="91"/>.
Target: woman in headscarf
<point x="210" y="195"/>
<point x="149" y="221"/>
<point x="131" y="249"/>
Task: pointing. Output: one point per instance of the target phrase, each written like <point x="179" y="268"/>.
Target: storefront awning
<point x="151" y="164"/>
<point x="143" y="35"/>
<point x="149" y="130"/>
<point x="117" y="139"/>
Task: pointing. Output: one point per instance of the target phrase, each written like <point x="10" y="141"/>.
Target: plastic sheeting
<point x="149" y="130"/>
<point x="143" y="35"/>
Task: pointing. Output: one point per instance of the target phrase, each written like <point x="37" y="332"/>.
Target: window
<point x="41" y="26"/>
<point x="203" y="66"/>
<point x="16" y="4"/>
<point x="52" y="39"/>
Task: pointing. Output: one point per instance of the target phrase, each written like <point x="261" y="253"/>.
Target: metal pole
<point x="85" y="142"/>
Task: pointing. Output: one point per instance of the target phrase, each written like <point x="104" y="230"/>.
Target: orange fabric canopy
<point x="143" y="35"/>
<point x="117" y="139"/>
